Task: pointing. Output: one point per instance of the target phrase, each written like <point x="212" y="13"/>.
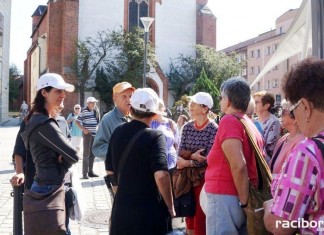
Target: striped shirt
<point x="88" y="120"/>
<point x="298" y="191"/>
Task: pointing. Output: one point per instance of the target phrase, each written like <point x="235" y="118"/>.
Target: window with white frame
<point x="258" y="86"/>
<point x="268" y="50"/>
<point x="252" y="70"/>
<point x="275" y="83"/>
<point x="243" y="72"/>
<point x="252" y="54"/>
<point x="258" y="53"/>
<point x="268" y="85"/>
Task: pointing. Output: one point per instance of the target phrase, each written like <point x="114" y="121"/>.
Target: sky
<point x="237" y="21"/>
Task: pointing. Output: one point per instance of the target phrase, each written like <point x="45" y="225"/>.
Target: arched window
<point x="137" y="9"/>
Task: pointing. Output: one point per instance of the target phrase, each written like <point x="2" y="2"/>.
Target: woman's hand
<point x="181" y="163"/>
<point x="17" y="179"/>
<point x="198" y="156"/>
<point x="172" y="212"/>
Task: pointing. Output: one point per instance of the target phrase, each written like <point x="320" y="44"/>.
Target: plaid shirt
<point x="298" y="191"/>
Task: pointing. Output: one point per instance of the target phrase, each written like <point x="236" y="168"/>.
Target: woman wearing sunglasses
<point x="287" y="142"/>
<point x="298" y="197"/>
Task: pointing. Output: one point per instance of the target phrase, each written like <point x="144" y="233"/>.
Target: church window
<point x="137" y="9"/>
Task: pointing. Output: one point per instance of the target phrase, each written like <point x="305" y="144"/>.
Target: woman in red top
<point x="231" y="163"/>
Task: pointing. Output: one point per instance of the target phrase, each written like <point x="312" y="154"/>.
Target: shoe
<point x="85" y="177"/>
<point x="91" y="174"/>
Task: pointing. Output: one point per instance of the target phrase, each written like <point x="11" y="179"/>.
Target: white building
<point x="5" y="14"/>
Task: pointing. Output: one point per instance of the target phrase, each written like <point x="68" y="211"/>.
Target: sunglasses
<point x="292" y="108"/>
<point x="76" y="108"/>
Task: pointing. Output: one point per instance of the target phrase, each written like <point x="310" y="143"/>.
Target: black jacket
<point x="46" y="142"/>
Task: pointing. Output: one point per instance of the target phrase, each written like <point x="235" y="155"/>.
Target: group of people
<point x="143" y="149"/>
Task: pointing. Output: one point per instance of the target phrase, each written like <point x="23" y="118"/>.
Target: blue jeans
<point x="38" y="188"/>
<point x="224" y="215"/>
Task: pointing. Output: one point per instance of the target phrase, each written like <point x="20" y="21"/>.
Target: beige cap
<point x="122" y="86"/>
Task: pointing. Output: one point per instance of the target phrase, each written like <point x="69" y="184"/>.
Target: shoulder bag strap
<point x="126" y="152"/>
<point x="275" y="156"/>
<point x="260" y="161"/>
<point x="320" y="144"/>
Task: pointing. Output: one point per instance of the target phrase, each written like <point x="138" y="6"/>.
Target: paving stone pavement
<point x="94" y="191"/>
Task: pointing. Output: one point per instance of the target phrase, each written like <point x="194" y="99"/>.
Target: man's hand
<point x="85" y="131"/>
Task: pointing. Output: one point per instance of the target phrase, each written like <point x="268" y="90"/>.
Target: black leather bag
<point x="185" y="205"/>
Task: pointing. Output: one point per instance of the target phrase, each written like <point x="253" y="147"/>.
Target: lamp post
<point x="146" y="21"/>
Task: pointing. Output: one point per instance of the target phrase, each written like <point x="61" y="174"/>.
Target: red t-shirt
<point x="218" y="176"/>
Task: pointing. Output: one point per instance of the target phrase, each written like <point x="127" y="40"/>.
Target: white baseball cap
<point x="146" y="100"/>
<point x="203" y="98"/>
<point x="53" y="80"/>
<point x="91" y="100"/>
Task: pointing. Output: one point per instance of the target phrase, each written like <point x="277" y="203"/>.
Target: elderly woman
<point x="197" y="139"/>
<point x="287" y="142"/>
<point x="169" y="129"/>
<point x="299" y="193"/>
<point x="231" y="163"/>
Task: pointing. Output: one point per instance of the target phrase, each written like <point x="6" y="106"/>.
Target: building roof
<point x="40" y="10"/>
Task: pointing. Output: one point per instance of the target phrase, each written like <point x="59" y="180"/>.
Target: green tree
<point x="89" y="57"/>
<point x="204" y="84"/>
<point x="185" y="70"/>
<point x="13" y="84"/>
<point x="125" y="64"/>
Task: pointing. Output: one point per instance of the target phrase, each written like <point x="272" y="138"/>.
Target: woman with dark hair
<point x="143" y="203"/>
<point x="299" y="189"/>
<point x="52" y="153"/>
<point x="231" y="163"/>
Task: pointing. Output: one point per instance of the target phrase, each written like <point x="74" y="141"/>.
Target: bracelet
<point x="191" y="163"/>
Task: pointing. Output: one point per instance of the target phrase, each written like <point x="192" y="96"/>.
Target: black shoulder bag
<point x="110" y="180"/>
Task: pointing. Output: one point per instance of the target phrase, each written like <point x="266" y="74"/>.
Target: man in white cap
<point x="88" y="121"/>
<point x="141" y="172"/>
<point x="122" y="93"/>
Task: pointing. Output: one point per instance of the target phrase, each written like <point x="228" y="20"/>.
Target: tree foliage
<point x="13" y="83"/>
<point x="185" y="70"/>
<point x="204" y="84"/>
<point x="89" y="57"/>
<point x="125" y="64"/>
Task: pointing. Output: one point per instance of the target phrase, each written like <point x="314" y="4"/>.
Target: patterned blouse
<point x="193" y="139"/>
<point x="271" y="134"/>
<point x="298" y="191"/>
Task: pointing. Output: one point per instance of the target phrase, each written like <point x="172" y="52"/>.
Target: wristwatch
<point x="243" y="205"/>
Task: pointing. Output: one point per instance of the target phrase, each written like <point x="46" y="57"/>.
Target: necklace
<point x="202" y="126"/>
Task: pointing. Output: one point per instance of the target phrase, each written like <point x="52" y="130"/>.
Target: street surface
<point x="94" y="191"/>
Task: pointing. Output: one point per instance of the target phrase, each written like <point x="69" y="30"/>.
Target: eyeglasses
<point x="292" y="108"/>
<point x="285" y="112"/>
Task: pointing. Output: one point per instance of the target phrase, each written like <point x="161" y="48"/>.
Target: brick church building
<point x="57" y="27"/>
